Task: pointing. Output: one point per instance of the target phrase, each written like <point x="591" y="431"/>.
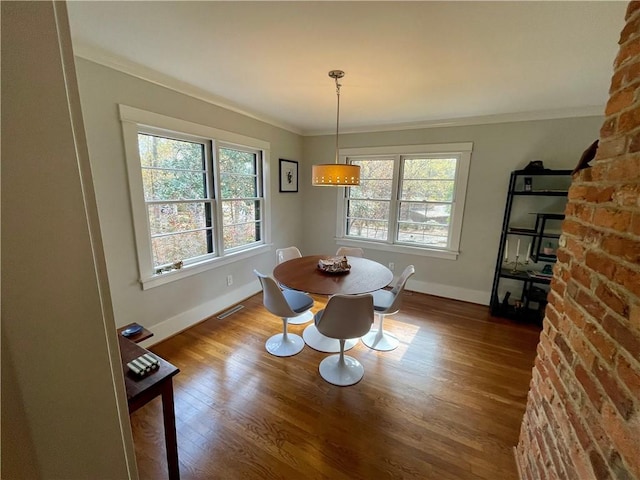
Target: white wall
<point x="169" y="308"/>
<point x="497" y="150"/>
<point x="64" y="409"/>
<point x="63" y="403"/>
<point x="307" y="218"/>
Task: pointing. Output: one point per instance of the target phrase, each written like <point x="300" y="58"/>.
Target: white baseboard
<point x="182" y="321"/>
<point x="480" y="297"/>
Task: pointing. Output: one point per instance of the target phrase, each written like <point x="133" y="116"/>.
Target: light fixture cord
<point x="337" y="116"/>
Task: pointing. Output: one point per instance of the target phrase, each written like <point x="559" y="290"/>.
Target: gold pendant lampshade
<point x="335" y="174"/>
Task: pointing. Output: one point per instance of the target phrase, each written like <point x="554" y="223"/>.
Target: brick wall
<point x="582" y="419"/>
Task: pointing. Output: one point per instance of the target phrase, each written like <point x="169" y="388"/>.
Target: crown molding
<point x="136" y="70"/>
<point x="588" y="111"/>
<point x="133" y="69"/>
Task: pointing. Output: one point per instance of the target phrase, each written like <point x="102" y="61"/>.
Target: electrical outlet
<point x="392" y="266"/>
<point x="229" y="280"/>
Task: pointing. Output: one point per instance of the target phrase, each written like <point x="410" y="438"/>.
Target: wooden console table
<point x="141" y="390"/>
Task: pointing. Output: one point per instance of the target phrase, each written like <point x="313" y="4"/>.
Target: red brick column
<point x="583" y="412"/>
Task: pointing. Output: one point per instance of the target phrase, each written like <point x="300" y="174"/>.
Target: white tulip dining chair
<point x="387" y="302"/>
<point x="344" y="317"/>
<point x="285" y="304"/>
<point x="350" y="252"/>
<point x="282" y="255"/>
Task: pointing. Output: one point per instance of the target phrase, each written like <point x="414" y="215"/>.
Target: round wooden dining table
<point x="304" y="275"/>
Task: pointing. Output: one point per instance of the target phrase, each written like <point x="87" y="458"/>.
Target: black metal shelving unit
<point x="531" y="286"/>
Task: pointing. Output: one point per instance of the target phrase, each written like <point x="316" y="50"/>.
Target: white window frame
<point x="220" y="200"/>
<point x="462" y="151"/>
<point x="136" y="121"/>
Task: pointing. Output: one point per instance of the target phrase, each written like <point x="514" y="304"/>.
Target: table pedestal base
<point x="318" y="341"/>
<point x="300" y="319"/>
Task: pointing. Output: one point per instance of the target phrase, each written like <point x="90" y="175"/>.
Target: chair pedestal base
<point x="321" y="343"/>
<point x="281" y="347"/>
<point x="342" y="374"/>
<point x="300" y="319"/>
<point x="380" y="340"/>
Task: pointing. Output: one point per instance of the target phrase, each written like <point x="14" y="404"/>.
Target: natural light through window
<point x="240" y="194"/>
<point x="410" y="197"/>
<point x="174" y="178"/>
<point x="427" y="190"/>
<point x="197" y="193"/>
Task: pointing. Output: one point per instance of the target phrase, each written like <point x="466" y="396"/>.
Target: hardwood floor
<point x="446" y="404"/>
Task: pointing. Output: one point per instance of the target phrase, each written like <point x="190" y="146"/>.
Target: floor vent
<point x="231" y="311"/>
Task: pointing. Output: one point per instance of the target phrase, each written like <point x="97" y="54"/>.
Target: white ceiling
<point x="407" y="63"/>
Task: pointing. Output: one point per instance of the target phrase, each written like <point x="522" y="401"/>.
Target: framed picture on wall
<point x="288" y="175"/>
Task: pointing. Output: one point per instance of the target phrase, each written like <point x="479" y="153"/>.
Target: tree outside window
<point x="407" y="197"/>
<point x="179" y="192"/>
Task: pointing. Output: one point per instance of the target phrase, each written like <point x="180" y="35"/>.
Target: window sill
<point x="193" y="269"/>
<point x="395" y="248"/>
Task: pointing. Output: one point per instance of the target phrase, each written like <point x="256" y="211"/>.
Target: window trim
<point x="209" y="174"/>
<point x="217" y="146"/>
<point x="133" y="119"/>
<point x="464" y="149"/>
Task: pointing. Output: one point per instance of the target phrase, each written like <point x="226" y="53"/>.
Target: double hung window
<point x="240" y="197"/>
<point x="198" y="196"/>
<point x="175" y="180"/>
<point x="410" y="198"/>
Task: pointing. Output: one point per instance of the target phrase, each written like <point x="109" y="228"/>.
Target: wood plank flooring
<point x="446" y="404"/>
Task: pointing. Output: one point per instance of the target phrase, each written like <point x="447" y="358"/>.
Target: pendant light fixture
<point x="335" y="174"/>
